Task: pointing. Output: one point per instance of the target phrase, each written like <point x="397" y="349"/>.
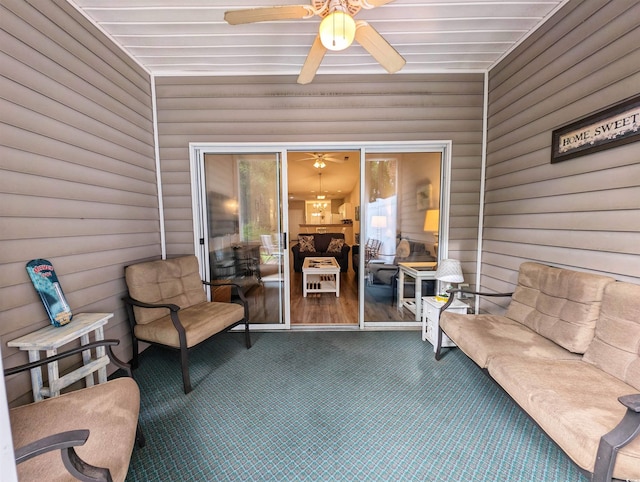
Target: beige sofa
<point x="567" y="350"/>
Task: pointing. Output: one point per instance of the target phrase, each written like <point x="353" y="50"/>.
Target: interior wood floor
<point x="324" y="308"/>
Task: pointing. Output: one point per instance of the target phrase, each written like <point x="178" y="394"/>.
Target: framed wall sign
<point x="611" y="127"/>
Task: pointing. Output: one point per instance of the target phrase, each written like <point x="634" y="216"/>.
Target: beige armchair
<point x="168" y="307"/>
<point x="87" y="434"/>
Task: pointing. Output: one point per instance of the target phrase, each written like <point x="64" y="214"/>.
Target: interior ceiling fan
<point x="337" y="30"/>
<point x="320" y="159"/>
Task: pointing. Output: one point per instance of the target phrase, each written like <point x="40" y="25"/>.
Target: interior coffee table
<point x="320" y="275"/>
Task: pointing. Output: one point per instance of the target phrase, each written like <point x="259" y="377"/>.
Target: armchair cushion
<point x="109" y="411"/>
<point x="176" y="281"/>
<point x="200" y="322"/>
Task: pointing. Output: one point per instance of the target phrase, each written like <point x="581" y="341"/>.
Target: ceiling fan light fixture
<point x="337" y="30"/>
<point x="319" y="164"/>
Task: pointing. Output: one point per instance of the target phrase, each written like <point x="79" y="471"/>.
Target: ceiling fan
<point x="321" y="159"/>
<point x="337" y="30"/>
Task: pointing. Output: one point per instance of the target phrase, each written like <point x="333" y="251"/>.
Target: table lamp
<point x="449" y="271"/>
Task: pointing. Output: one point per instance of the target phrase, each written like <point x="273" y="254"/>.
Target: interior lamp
<point x="432" y="224"/>
<point x="449" y="271"/>
<point x="432" y="221"/>
<point x="378" y="222"/>
<point x="337" y="30"/>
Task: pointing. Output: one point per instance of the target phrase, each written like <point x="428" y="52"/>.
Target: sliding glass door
<point x="250" y="209"/>
<point x="399" y="243"/>
<point x="241" y="240"/>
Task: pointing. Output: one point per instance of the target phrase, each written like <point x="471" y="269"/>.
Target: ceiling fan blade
<point x="378" y="47"/>
<point x="333" y="159"/>
<point x="310" y="67"/>
<point x="265" y="14"/>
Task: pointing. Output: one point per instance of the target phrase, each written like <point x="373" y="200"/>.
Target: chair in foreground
<point x="168" y="307"/>
<point x="87" y="434"/>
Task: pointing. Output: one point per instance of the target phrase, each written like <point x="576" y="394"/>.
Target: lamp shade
<point x="450" y="271"/>
<point x="378" y="221"/>
<point x="337" y="30"/>
<point x="432" y="220"/>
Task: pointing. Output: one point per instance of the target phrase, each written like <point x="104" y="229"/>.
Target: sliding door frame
<point x="444" y="149"/>
<point x="197" y="150"/>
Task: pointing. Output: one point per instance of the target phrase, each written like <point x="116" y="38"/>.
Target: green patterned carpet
<point x="303" y="406"/>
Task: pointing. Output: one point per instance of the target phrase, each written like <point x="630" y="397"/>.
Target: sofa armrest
<point x="627" y="429"/>
<point x="451" y="292"/>
<point x="65" y="441"/>
<point x="469" y="292"/>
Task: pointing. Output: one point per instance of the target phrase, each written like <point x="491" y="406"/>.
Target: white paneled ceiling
<point x="191" y="37"/>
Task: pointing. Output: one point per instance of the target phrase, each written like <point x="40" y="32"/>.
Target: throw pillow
<point x="403" y="250"/>
<point x="335" y="246"/>
<point x="307" y="244"/>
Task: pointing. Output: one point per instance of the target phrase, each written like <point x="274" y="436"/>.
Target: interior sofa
<point x="318" y="245"/>
<point x="567" y="351"/>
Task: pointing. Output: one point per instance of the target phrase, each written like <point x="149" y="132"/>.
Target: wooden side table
<point x="431" y="319"/>
<point x="50" y="338"/>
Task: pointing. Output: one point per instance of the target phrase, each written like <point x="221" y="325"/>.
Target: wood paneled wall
<point x="77" y="170"/>
<point x="331" y="109"/>
<point x="582" y="213"/>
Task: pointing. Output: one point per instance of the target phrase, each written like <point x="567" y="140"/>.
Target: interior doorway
<point x="323" y="193"/>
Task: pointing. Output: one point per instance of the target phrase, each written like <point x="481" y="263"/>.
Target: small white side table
<point x="418" y="271"/>
<point x="431" y="319"/>
<point x="50" y="338"/>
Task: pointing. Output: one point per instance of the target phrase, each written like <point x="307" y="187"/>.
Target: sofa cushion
<point x="616" y="346"/>
<point x="307" y="244"/>
<point x="323" y="239"/>
<point x="559" y="304"/>
<point x="110" y="412"/>
<point x="482" y="337"/>
<point x="200" y="322"/>
<point x="176" y="281"/>
<point x="335" y="246"/>
<point x="574" y="402"/>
